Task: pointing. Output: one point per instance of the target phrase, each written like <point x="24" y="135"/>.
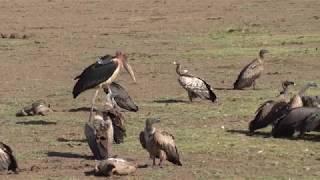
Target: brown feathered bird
<point x="39" y="107"/>
<point x="7" y="160"/>
<point x="270" y="110"/>
<point x="196" y="87"/>
<point x="99" y="134"/>
<point x="251" y="72"/>
<point x="159" y="144"/>
<point x="118" y="124"/>
<point x="116" y="166"/>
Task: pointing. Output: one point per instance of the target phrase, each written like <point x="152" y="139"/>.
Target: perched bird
<point x="99" y="133"/>
<point x="119" y="130"/>
<point x="298" y="121"/>
<point x="39" y="107"/>
<point x="296" y="100"/>
<point x="103" y="72"/>
<point x="159" y="144"/>
<point x="195" y="86"/>
<point x="251" y="72"/>
<point x="7" y="160"/>
<point x="270" y="110"/>
<point x="116" y="166"/>
<point x="120" y="97"/>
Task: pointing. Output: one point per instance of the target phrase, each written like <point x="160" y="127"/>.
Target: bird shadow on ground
<point x="82" y="109"/>
<point x="170" y="101"/>
<point x="223" y="88"/>
<point x="246" y="132"/>
<point x="71" y="140"/>
<point x="36" y="122"/>
<point x="68" y="155"/>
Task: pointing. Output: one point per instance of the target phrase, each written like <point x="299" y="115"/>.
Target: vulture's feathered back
<point x="119" y="130"/>
<point x="251" y="72"/>
<point x="99" y="133"/>
<point x="7" y="160"/>
<point x="159" y="144"/>
<point x="121" y="97"/>
<point x="196" y="87"/>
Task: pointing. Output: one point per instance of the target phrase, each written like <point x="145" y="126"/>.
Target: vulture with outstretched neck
<point x="270" y="110"/>
<point x="159" y="144"/>
<point x="196" y="87"/>
<point x="251" y="72"/>
<point x="7" y="160"/>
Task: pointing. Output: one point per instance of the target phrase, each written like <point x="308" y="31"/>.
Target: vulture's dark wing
<point x="92" y="142"/>
<point x="165" y="142"/>
<point x="7" y="160"/>
<point x="248" y="74"/>
<point x="122" y="97"/>
<point x="94" y="75"/>
<point x="142" y="140"/>
<point x="311" y="123"/>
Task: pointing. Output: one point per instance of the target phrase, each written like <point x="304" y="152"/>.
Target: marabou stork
<point x="270" y="110"/>
<point x="159" y="144"/>
<point x="103" y="72"/>
<point x="7" y="160"/>
<point x="251" y="72"/>
<point x="196" y="87"/>
<point x="120" y="97"/>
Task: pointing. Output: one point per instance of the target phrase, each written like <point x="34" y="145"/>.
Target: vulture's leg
<point x="153" y="161"/>
<point x="109" y="102"/>
<point x="190" y="96"/>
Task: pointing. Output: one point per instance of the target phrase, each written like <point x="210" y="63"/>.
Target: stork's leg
<point x="93" y="101"/>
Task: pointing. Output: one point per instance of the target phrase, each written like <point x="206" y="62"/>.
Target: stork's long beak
<point x="130" y="71"/>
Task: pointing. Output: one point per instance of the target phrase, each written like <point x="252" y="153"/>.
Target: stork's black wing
<point x="94" y="75"/>
<point x="122" y="97"/>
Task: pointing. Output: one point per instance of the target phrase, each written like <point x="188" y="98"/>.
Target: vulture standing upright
<point x="270" y="110"/>
<point x="251" y="72"/>
<point x="195" y="86"/>
<point x="120" y="97"/>
<point x="99" y="134"/>
<point x="7" y="161"/>
<point x="159" y="144"/>
<point x="103" y="72"/>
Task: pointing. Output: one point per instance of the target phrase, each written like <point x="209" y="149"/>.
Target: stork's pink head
<point x="123" y="58"/>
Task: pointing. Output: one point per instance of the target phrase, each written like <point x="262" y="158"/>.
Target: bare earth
<point x="212" y="39"/>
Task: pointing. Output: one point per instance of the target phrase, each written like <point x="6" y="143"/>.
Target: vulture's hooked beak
<point x="129" y="70"/>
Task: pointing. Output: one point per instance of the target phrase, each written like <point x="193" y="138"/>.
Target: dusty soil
<point x="46" y="44"/>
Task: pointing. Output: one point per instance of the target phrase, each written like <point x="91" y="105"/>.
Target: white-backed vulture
<point x="298" y="120"/>
<point x="159" y="144"/>
<point x="270" y="110"/>
<point x="196" y="87"/>
<point x="39" y="107"/>
<point x="296" y="100"/>
<point x="7" y="160"/>
<point x="99" y="134"/>
<point x="119" y="130"/>
<point x="116" y="166"/>
<point x="120" y="97"/>
<point x="251" y="72"/>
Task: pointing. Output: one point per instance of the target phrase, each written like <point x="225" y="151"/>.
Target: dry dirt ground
<point x="52" y="41"/>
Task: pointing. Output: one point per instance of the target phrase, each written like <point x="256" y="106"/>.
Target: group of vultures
<point x="289" y="116"/>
